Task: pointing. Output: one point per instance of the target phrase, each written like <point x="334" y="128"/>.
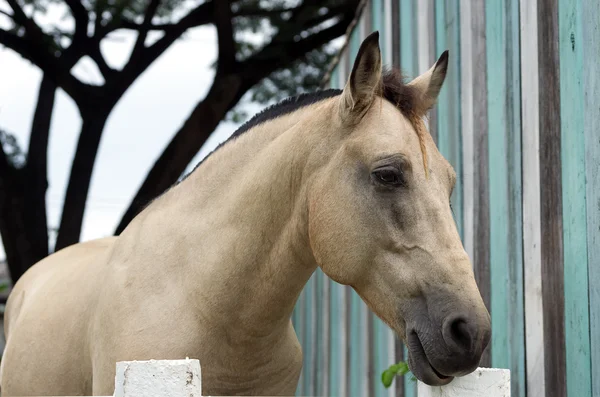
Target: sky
<point x="138" y="129"/>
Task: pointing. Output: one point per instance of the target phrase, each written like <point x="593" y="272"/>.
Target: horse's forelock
<point x="405" y="98"/>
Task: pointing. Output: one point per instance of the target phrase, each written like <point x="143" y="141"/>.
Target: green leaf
<point x="387" y="377"/>
<point x="398" y="369"/>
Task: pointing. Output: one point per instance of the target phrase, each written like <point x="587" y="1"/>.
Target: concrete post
<point x="158" y="378"/>
<point x="483" y="382"/>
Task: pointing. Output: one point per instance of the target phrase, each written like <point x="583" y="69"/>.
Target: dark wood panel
<point x="399" y="349"/>
<point x="325" y="303"/>
<point x="481" y="201"/>
<point x="348" y="327"/>
<point x="368" y="17"/>
<point x="371" y="375"/>
<point x="396" y="33"/>
<point x="432" y="45"/>
<point x="551" y="199"/>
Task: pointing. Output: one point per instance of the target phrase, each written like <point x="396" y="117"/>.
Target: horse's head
<point x="380" y="219"/>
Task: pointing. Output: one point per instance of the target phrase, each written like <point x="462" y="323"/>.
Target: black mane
<point x="272" y="112"/>
<point x="393" y="88"/>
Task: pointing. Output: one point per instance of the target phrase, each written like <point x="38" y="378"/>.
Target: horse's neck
<point x="243" y="215"/>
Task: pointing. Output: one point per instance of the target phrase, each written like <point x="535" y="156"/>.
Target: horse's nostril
<point x="460" y="333"/>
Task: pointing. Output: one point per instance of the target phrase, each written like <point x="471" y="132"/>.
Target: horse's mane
<point x="393" y="88"/>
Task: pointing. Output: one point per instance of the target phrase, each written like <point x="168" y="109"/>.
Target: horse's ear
<point x="364" y="81"/>
<point x="428" y="85"/>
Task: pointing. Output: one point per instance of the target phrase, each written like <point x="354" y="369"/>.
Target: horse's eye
<point x="388" y="176"/>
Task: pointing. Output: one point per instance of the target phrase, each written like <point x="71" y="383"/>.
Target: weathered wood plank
<point x="309" y="337"/>
<point x="495" y="25"/>
<point x="319" y="344"/>
<point x="365" y="351"/>
<point x="422" y="39"/>
<point x="337" y="347"/>
<point x="504" y="143"/>
<point x="466" y="125"/>
<point x="408" y="55"/>
<point x="390" y="350"/>
<point x="534" y="315"/>
<point x="300" y="334"/>
<point x="452" y="17"/>
<point x="372" y="377"/>
<point x="448" y="109"/>
<point x="326" y="335"/>
<point x="396" y="54"/>
<point x="384" y="356"/>
<point x="515" y="210"/>
<point x="348" y="331"/>
<point x="481" y="219"/>
<point x="388" y="21"/>
<point x="577" y="337"/>
<point x="367" y="21"/>
<point x="551" y="199"/>
<point x="424" y="44"/>
<point x="591" y="84"/>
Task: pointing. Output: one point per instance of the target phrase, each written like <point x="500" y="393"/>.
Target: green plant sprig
<point x="399" y="369"/>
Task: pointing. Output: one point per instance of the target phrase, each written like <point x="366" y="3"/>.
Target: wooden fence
<point x="519" y="119"/>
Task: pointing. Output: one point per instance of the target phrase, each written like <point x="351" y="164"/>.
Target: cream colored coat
<point x="212" y="269"/>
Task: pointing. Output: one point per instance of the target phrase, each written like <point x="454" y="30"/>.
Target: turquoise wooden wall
<point x="519" y="120"/>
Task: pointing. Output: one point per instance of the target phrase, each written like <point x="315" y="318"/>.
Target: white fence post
<point x="158" y="378"/>
<point x="483" y="382"/>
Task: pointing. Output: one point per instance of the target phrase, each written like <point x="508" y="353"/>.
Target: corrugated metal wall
<point x="519" y="119"/>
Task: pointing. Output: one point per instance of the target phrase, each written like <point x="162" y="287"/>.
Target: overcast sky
<point x="138" y="129"/>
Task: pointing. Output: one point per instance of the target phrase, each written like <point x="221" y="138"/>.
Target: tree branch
<point x="5" y="166"/>
<point x="20" y="17"/>
<point x="7" y="14"/>
<point x="149" y="54"/>
<point x="48" y="63"/>
<point x="205" y="19"/>
<point x="81" y="16"/>
<point x="143" y="31"/>
<point x="96" y="55"/>
<point x="259" y="12"/>
<point x="280" y="52"/>
<point x="222" y="13"/>
<point x="199" y="16"/>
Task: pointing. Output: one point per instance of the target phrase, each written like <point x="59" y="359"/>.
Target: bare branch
<point x="144" y="28"/>
<point x="349" y="30"/>
<point x="199" y="20"/>
<point x="222" y="13"/>
<point x="259" y="12"/>
<point x="7" y="14"/>
<point x="281" y="52"/>
<point x="49" y="64"/>
<point x="199" y="16"/>
<point x="96" y="55"/>
<point x="32" y="30"/>
<point x="81" y="16"/>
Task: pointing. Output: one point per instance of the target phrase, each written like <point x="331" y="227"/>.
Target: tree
<point x="292" y="58"/>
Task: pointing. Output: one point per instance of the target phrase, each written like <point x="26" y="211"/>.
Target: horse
<point x="349" y="181"/>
